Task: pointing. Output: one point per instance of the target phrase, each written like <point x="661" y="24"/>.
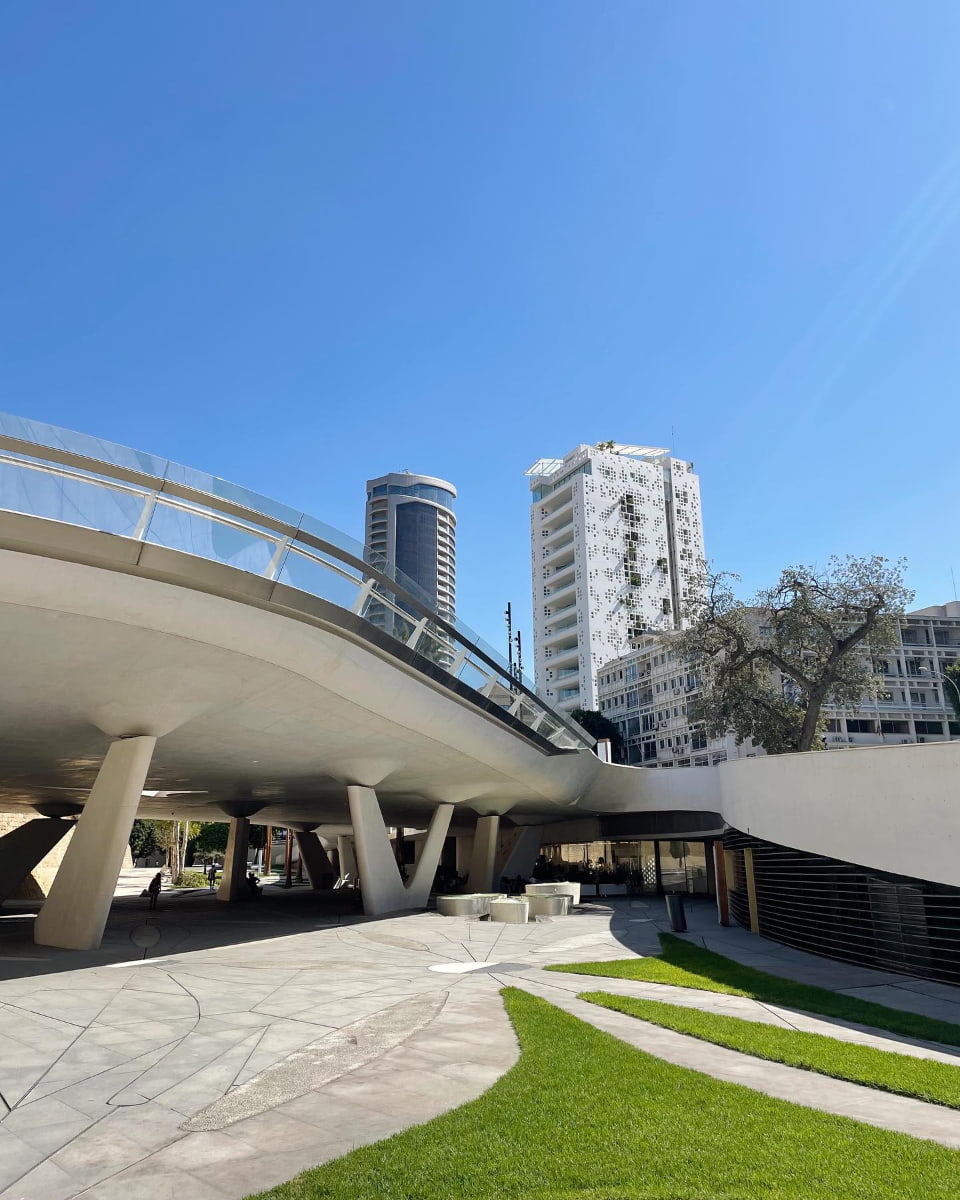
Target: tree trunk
<point x="808" y="733"/>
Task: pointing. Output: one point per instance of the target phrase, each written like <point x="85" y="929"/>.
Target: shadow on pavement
<point x="184" y="921"/>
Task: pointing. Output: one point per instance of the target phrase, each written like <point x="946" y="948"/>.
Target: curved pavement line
<point x="762" y="1011"/>
<point x="319" y="1063"/>
<point x="900" y="1114"/>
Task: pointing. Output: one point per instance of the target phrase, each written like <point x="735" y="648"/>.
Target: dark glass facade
<point x="416" y="543"/>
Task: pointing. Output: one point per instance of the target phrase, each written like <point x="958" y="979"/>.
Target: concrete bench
<point x="511" y="911"/>
<point x="562" y="888"/>
<point x="473" y="904"/>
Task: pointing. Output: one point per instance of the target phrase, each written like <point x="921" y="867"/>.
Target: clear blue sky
<point x="298" y="244"/>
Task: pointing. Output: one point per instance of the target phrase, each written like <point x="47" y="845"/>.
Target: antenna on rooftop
<point x="508" y="615"/>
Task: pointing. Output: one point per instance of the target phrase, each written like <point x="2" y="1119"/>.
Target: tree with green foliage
<point x="143" y="839"/>
<point x="768" y="667"/>
<point x="600" y="727"/>
<point x="211" y="838"/>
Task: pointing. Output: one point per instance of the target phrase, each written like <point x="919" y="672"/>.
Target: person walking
<point x="154" y="890"/>
<point x="212" y="876"/>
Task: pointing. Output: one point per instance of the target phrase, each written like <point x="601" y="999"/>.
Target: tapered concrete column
<point x="519" y="856"/>
<point x="315" y="860"/>
<point x="23" y="848"/>
<point x="77" y="908"/>
<point x="484" y="854"/>
<point x="383" y="889"/>
<point x="347" y="856"/>
<point x="233" y="881"/>
<point x="420" y="883"/>
<point x="379" y="874"/>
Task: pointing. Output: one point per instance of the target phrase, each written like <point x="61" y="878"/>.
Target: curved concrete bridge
<point x="176" y="646"/>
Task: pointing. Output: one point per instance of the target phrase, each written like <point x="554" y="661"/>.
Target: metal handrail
<point x="47" y="450"/>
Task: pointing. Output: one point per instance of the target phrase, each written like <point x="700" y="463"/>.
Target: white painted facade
<point x="650" y="696"/>
<point x="616" y="544"/>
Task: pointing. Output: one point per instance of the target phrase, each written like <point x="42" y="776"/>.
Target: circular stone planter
<point x="510" y="912"/>
<point x="549" y="906"/>
<point x="474" y="904"/>
<point x="555" y="889"/>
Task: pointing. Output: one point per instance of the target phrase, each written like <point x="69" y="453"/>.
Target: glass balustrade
<point x="63" y="476"/>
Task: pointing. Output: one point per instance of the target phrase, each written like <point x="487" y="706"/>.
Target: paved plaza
<point x="212" y="1050"/>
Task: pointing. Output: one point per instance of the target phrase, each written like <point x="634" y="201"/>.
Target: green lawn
<point x="685" y="964"/>
<point x="583" y="1116"/>
<point x="886" y="1070"/>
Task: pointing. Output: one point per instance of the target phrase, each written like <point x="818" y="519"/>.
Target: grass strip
<point x="924" y="1079"/>
<point x="583" y="1115"/>
<point x="685" y="964"/>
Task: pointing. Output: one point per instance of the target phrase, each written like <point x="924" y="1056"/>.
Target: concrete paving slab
<point x="253" y="998"/>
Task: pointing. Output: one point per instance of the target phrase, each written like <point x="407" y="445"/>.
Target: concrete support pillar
<point x="420" y="883"/>
<point x="379" y="875"/>
<point x="77" y="908"/>
<point x="382" y="888"/>
<point x="519" y="855"/>
<point x="233" y="881"/>
<point x="315" y="860"/>
<point x="484" y="854"/>
<point x="24" y="847"/>
<point x="348" y="859"/>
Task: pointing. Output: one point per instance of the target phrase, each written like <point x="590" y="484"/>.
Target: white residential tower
<point x="616" y="545"/>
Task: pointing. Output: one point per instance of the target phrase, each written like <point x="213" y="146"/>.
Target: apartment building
<point x="651" y="697"/>
<point x="411" y="525"/>
<point x="616" y="540"/>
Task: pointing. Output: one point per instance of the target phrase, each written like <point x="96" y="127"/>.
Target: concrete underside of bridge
<point x="125" y="693"/>
<point x="245" y="703"/>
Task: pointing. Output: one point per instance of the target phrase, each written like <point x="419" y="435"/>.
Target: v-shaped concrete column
<point x="77" y="908"/>
<point x="484" y="854"/>
<point x="233" y="881"/>
<point x="347" y="856"/>
<point x="314" y="858"/>
<point x="383" y="889"/>
<point x="23" y="848"/>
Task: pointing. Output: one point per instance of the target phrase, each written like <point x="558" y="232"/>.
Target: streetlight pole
<point x="956" y="688"/>
<point x="953" y="684"/>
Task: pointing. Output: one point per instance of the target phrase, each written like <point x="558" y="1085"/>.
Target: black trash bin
<point x="678" y="921"/>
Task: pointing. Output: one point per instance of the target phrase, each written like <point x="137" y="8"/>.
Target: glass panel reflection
<point x="194" y="532"/>
<point x="313" y="575"/>
<point x="74" y="500"/>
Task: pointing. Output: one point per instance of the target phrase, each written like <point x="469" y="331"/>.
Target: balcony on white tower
<point x="559" y="555"/>
<point x="555" y="529"/>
